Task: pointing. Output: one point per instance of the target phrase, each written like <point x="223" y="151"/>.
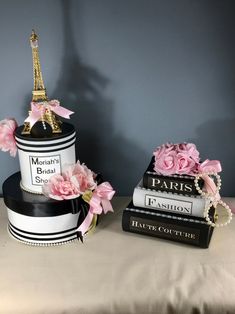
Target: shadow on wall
<point x="216" y="137"/>
<point x="211" y="134"/>
<point x="81" y="88"/>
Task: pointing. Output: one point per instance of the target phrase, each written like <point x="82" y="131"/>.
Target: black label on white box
<point x="164" y="230"/>
<point x="168" y="204"/>
<point x="43" y="167"/>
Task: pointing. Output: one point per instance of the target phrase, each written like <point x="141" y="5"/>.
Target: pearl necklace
<point x="215" y="204"/>
<point x="213" y="199"/>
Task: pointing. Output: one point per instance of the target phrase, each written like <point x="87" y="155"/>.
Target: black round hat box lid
<point x="37" y="205"/>
<point x="66" y="128"/>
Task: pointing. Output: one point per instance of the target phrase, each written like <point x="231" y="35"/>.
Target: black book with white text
<point x="181" y="228"/>
<point x="180" y="184"/>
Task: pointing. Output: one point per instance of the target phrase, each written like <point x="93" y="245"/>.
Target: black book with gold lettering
<point x="180" y="184"/>
<point x="175" y="227"/>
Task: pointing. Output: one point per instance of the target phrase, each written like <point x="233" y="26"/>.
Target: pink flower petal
<point x="7" y="139"/>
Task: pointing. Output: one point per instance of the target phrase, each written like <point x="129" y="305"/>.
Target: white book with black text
<point x="170" y="202"/>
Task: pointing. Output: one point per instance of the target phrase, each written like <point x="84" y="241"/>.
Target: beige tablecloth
<point x="117" y="272"/>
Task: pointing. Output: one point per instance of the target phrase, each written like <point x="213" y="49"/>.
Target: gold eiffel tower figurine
<point x="39" y="92"/>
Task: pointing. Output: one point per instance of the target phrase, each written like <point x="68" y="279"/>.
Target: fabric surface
<point x="117" y="272"/>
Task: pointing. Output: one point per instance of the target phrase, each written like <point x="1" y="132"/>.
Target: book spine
<point x="179" y="185"/>
<point x="146" y="224"/>
<point x="174" y="203"/>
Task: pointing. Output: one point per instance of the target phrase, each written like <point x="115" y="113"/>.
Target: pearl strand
<point x="29" y="191"/>
<point x="41" y="243"/>
<point x="218" y="185"/>
<point x="213" y="201"/>
<point x="214" y="224"/>
<point x="42" y="117"/>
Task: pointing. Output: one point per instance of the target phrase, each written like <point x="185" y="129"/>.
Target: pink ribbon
<point x="39" y="109"/>
<point x="101" y="197"/>
<point x="210" y="166"/>
<point x="210" y="187"/>
<point x="99" y="202"/>
<point x="86" y="223"/>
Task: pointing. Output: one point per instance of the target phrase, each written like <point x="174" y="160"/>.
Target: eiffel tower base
<point x="38" y="130"/>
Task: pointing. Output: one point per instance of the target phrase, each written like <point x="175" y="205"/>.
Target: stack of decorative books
<point x="177" y="197"/>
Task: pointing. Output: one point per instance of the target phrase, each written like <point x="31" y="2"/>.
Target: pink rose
<point x="163" y="149"/>
<point x="74" y="181"/>
<point x="185" y="165"/>
<point x="182" y="158"/>
<point x="60" y="189"/>
<point x="81" y="176"/>
<point x="7" y="139"/>
<point x="189" y="149"/>
<point x="166" y="163"/>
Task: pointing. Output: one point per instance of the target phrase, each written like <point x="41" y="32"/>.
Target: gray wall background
<point x="137" y="73"/>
